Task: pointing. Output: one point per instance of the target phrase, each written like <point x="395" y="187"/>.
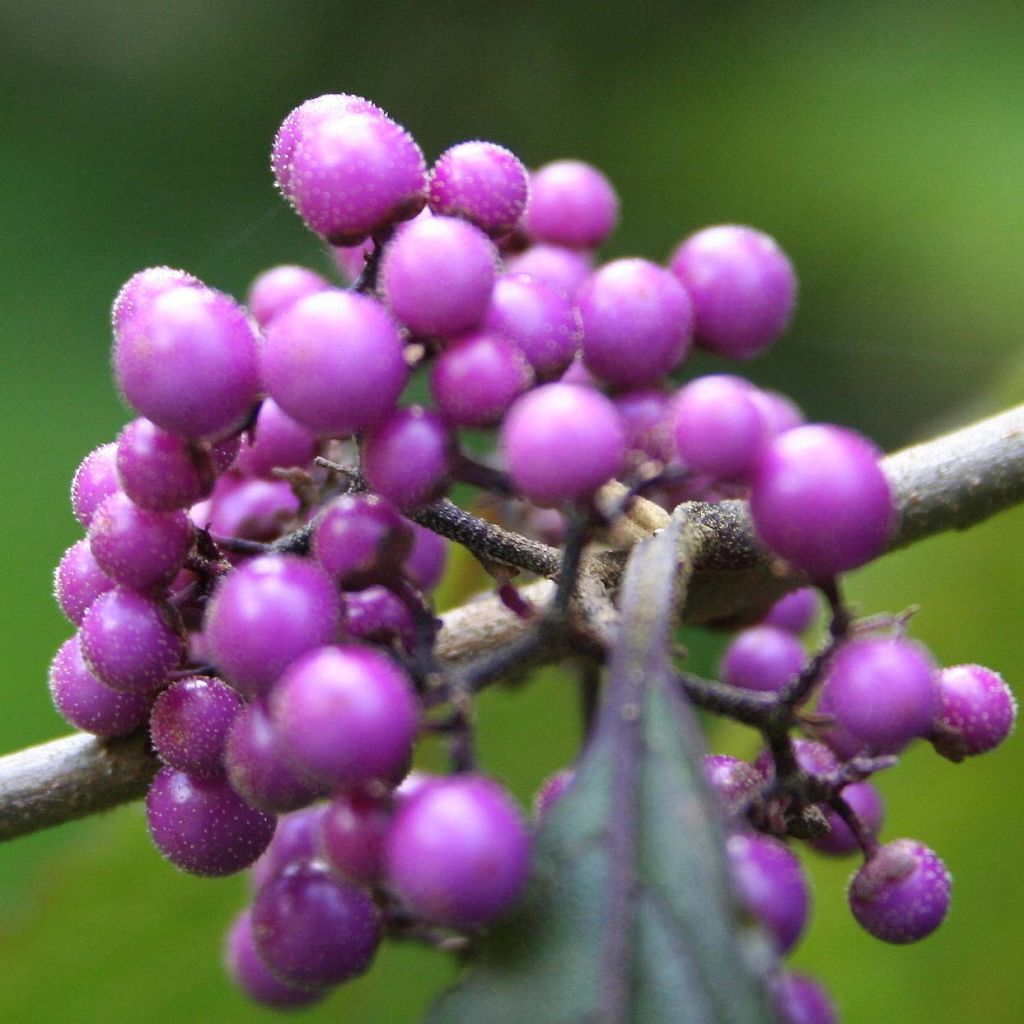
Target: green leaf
<point x="628" y="916"/>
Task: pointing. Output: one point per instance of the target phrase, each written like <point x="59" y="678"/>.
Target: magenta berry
<point x="94" y="481"/>
<point x="276" y="441"/>
<point x="296" y="840"/>
<point x="902" y="893"/>
<point x="78" y="581"/>
<point x="353" y="832"/>
<point x="360" y="540"/>
<point x="426" y="562"/>
<point x="141" y="288"/>
<point x="795" y="612"/>
<point x="647" y="416"/>
<point x="250" y="508"/>
<point x="555" y="264"/>
<point x="762" y="658"/>
<point x="276" y="289"/>
<point x="820" y="499"/>
<point x="554" y="419"/>
<point x="732" y="779"/>
<point x="801" y="1000"/>
<point x="190" y="723"/>
<point x="459" y="852"/>
<point x="572" y="204"/>
<point x="377" y="615"/>
<point x="161" y="471"/>
<point x="742" y="285"/>
<point x="866" y="802"/>
<point x="976" y="710"/>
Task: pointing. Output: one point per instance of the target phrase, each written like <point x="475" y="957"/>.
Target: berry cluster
<point x="254" y="585"/>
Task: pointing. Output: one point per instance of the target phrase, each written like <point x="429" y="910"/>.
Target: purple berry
<point x="189" y="362"/>
<point x="778" y="412"/>
<point x="732" y="779"/>
<point x="161" y="471"/>
<point x="142" y="287"/>
<point x="820" y="499"/>
<point x="78" y="581"/>
<point x="137" y="548"/>
<point x="762" y="658"/>
<point x="276" y="289"/>
<point x="425" y="565"/>
<point x="267" y="613"/>
<point x="408" y="457"/>
<point x="361" y="540"/>
<point x="459" y="852"/>
<point x="276" y="441"/>
<point x="976" y="709"/>
<point x="801" y="1000"/>
<point x="86" y="703"/>
<point x="902" y="893"/>
<point x="258" y="767"/>
<point x="812" y="757"/>
<point x="540" y="318"/>
<point x="572" y="204"/>
<point x="544" y="425"/>
<point x="637" y="323"/>
<point x="477" y="377"/>
<point x="882" y="690"/>
<point x="249" y="508"/>
<point x="795" y="612"/>
<point x="312" y="929"/>
<point x="742" y="286"/>
<point x="352" y="836"/>
<point x="555" y="264"/>
<point x="481" y="182"/>
<point x="252" y="976"/>
<point x="130" y="642"/>
<point x="377" y="616"/>
<point x="347" y="716"/>
<point x="334" y="362"/>
<point x="647" y="416"/>
<point x="866" y="802"/>
<point x="772" y="886"/>
<point x="203" y="826"/>
<point x="437" y="274"/>
<point x="295" y="841"/>
<point x="550" y="792"/>
<point x="718" y="428"/>
<point x="190" y="723"/>
<point x="94" y="481"/>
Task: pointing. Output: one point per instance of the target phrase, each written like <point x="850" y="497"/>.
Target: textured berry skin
<point x="94" y="481"/>
<point x="360" y="540"/>
<point x="976" y="709"/>
<point x="795" y="612"/>
<point x="86" y="703"/>
<point x="771" y="884"/>
<point x="477" y="377"/>
<point x="801" y="1000"/>
<point x="571" y="204"/>
<point x="637" y="323"/>
<point x="882" y="690"/>
<point x="742" y="285"/>
<point x="312" y="929"/>
<point x="902" y="893"/>
<point x="408" y="457"/>
<point x="296" y="840"/>
<point x="190" y="723"/>
<point x="276" y="289"/>
<point x="540" y="318"/>
<point x="188" y="361"/>
<point x="267" y="613"/>
<point x="161" y="471"/>
<point x="550" y="792"/>
<point x="762" y="658"/>
<point x="437" y="274"/>
<point x="130" y="642"/>
<point x="459" y="851"/>
<point x="481" y="182"/>
<point x="276" y="441"/>
<point x="333" y="361"/>
<point x="78" y="581"/>
<point x="820" y="499"/>
<point x="347" y="716"/>
<point x="141" y="288"/>
<point x="866" y="802"/>
<point x="545" y="424"/>
<point x="732" y="779"/>
<point x="251" y="975"/>
<point x="556" y="264"/>
<point x="203" y="826"/>
<point x="352" y="835"/>
<point x="718" y="428"/>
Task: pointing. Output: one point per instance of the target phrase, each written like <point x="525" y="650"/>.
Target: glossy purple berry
<point x="866" y="802"/>
<point x="902" y="893"/>
<point x="477" y="377"/>
<point x="544" y="425"/>
<point x="190" y="723"/>
<point x="86" y="703"/>
<point x="189" y="362"/>
<point x="142" y="287"/>
<point x="353" y="831"/>
<point x="252" y="508"/>
<point x="408" y="457"/>
<point x="347" y="716"/>
<point x="137" y="548"/>
<point x="762" y="658"/>
<point x="795" y="612"/>
<point x="265" y="614"/>
<point x="778" y="412"/>
<point x="550" y="792"/>
<point x="334" y="362"/>
<point x="161" y="471"/>
<point x="742" y="286"/>
<point x="276" y="441"/>
<point x="976" y="710"/>
<point x="130" y="642"/>
<point x="772" y="886"/>
<point x="555" y="264"/>
<point x="313" y="929"/>
<point x="425" y="565"/>
<point x="94" y="481"/>
<point x="637" y="323"/>
<point x="718" y="428"/>
<point x="203" y="826"/>
<point x="437" y="274"/>
<point x="481" y="182"/>
<point x="801" y="1000"/>
<point x="296" y="840"/>
<point x="378" y="616"/>
<point x="733" y="780"/>
<point x="459" y="852"/>
<point x="78" y="581"/>
<point x="882" y="690"/>
<point x="572" y="204"/>
<point x="253" y="977"/>
<point x="276" y="289"/>
<point x="820" y="499"/>
<point x="360" y="540"/>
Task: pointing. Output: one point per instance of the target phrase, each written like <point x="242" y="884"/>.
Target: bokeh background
<point x="881" y="143"/>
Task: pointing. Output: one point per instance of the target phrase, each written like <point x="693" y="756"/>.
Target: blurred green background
<point x="881" y="143"/>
